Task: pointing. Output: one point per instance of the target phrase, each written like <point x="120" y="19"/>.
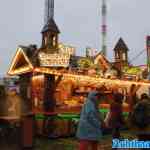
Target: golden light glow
<point x="38" y="77"/>
<point x="91" y="80"/>
<point x="54" y="60"/>
<point x="66" y="49"/>
<point x="22" y="69"/>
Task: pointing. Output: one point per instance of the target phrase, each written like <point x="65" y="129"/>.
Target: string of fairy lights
<point x="90" y="79"/>
<point x="96" y="79"/>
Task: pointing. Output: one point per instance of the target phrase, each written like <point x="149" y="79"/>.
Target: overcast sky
<point x="80" y="23"/>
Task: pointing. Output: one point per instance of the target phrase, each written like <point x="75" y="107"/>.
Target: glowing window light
<point x="38" y="77"/>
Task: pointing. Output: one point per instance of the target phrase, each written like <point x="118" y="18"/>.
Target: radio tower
<point x="104" y="28"/>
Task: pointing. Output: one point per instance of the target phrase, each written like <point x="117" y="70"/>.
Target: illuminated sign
<point x="66" y="49"/>
<point x="91" y="52"/>
<point x="54" y="60"/>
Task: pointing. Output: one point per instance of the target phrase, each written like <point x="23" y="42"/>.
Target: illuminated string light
<point x="73" y="76"/>
<point x="93" y="80"/>
<point x="66" y="49"/>
<point x="20" y="71"/>
<point x="27" y="68"/>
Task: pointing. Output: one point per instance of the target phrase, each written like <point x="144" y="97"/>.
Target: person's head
<point x="118" y="97"/>
<point x="96" y="96"/>
<point x="144" y="96"/>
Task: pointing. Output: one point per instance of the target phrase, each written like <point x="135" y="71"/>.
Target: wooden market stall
<point x="54" y="80"/>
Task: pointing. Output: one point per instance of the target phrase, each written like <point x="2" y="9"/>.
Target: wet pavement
<point x="57" y="144"/>
<point x="44" y="143"/>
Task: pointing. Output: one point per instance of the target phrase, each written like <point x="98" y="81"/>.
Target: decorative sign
<point x="91" y="51"/>
<point x="54" y="60"/>
<point x="66" y="49"/>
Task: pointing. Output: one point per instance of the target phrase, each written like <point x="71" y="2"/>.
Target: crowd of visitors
<point x="92" y="123"/>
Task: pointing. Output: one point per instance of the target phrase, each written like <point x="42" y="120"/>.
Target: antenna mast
<point x="104" y="28"/>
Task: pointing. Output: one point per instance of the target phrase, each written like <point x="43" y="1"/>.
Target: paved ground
<point x="58" y="144"/>
<point x="68" y="144"/>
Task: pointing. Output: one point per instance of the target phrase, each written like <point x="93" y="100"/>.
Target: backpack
<point x="140" y="117"/>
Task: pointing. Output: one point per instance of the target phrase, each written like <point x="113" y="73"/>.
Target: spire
<point x="50" y="30"/>
<point x="121" y="46"/>
<point x="49" y="22"/>
<point x="121" y="54"/>
<point x="49" y="10"/>
<point x="50" y="26"/>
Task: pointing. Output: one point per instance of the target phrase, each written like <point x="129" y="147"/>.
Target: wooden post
<point x="25" y="84"/>
<point x="49" y="91"/>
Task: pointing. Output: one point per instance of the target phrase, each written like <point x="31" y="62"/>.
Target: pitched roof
<point x="121" y="46"/>
<point x="30" y="52"/>
<point x="50" y="26"/>
<point x="21" y="62"/>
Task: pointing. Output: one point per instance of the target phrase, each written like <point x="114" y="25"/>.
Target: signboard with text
<point x="54" y="60"/>
<point x="67" y="49"/>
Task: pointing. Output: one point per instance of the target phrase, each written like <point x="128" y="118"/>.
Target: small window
<point x="117" y="55"/>
<point x="124" y="56"/>
<point x="54" y="40"/>
<point x="45" y="40"/>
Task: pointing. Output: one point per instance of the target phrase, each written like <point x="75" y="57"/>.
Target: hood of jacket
<point x="92" y="96"/>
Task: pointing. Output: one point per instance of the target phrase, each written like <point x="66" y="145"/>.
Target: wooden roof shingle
<point x="51" y="26"/>
<point x="121" y="46"/>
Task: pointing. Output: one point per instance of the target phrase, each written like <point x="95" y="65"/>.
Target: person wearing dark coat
<point x="89" y="130"/>
<point x="116" y="115"/>
<point x="140" y="118"/>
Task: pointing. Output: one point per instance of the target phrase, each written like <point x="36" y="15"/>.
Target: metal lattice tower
<point x="104" y="28"/>
<point x="49" y="10"/>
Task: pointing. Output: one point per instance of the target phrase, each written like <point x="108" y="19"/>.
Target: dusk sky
<point x="79" y="22"/>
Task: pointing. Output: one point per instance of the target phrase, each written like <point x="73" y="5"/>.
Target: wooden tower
<point x="50" y="30"/>
<point x="121" y="54"/>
